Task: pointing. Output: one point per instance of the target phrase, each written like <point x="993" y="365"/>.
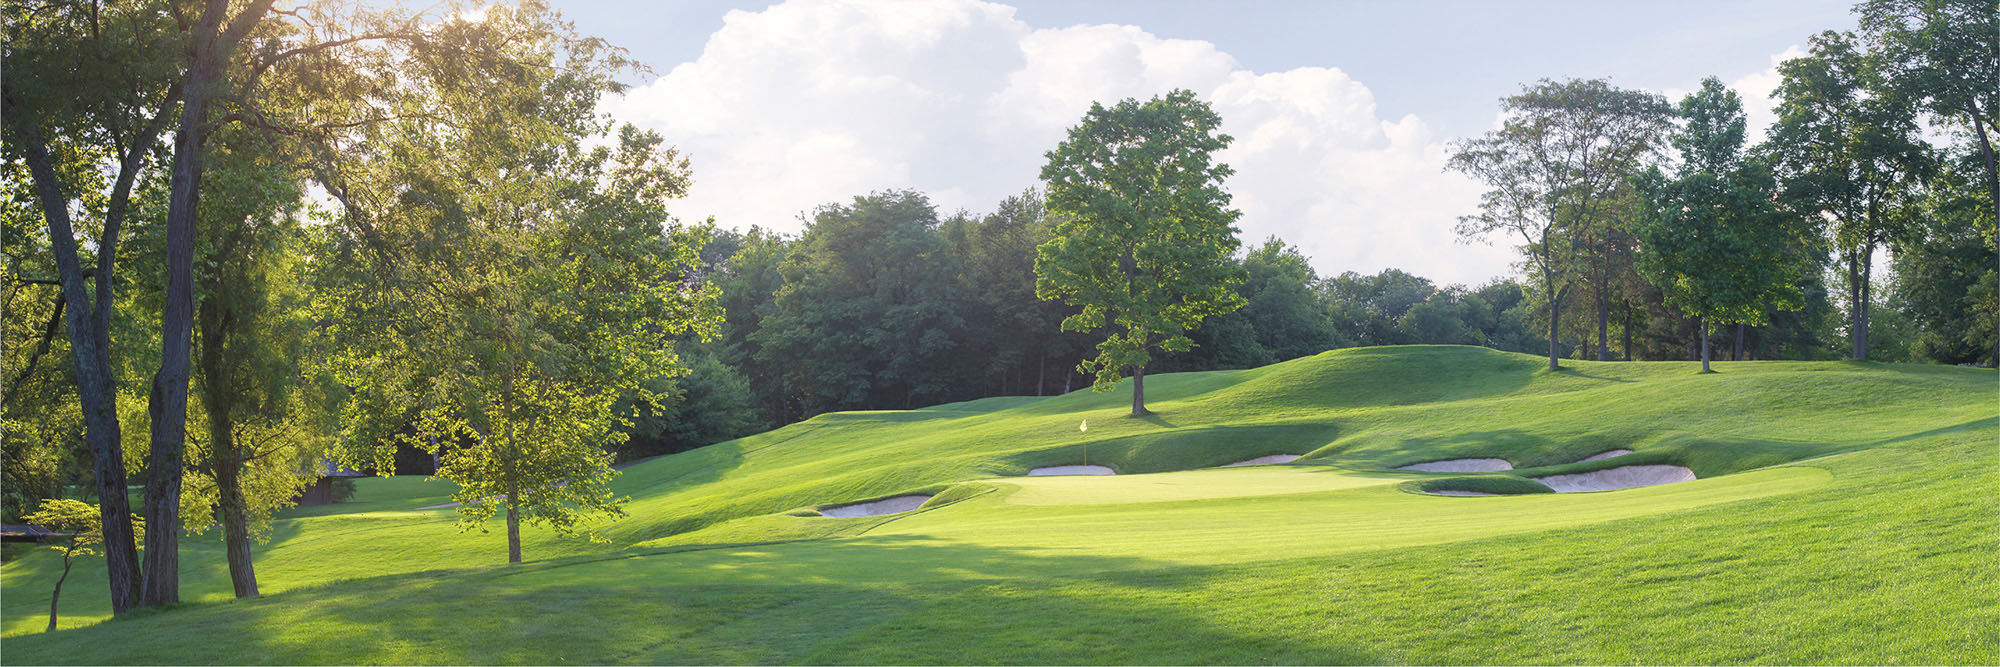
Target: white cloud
<point x="1756" y="89"/>
<point x="816" y="101"/>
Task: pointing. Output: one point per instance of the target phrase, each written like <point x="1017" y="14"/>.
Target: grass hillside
<point x="1845" y="513"/>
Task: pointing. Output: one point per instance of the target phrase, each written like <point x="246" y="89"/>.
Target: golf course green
<point x="1842" y="512"/>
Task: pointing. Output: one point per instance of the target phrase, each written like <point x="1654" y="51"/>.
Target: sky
<point x="1342" y="112"/>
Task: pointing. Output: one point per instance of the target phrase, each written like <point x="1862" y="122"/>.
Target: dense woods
<point x="338" y="236"/>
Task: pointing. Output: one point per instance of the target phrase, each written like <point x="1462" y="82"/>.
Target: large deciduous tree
<point x="1713" y="242"/>
<point x="1145" y="234"/>
<point x="1554" y="170"/>
<point x="1847" y="152"/>
<point x="1946" y="54"/>
<point x="504" y="273"/>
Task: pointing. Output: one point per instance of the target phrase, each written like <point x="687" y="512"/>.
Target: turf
<point x="1846" y="514"/>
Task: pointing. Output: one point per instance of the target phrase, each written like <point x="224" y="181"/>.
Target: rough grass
<point x="1846" y="514"/>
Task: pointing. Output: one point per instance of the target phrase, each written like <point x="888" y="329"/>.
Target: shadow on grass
<point x="907" y="600"/>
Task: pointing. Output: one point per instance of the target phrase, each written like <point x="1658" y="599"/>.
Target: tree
<point x="1945" y="54"/>
<point x="1553" y="167"/>
<point x="1846" y="151"/>
<point x="1146" y="232"/>
<point x="1714" y="244"/>
<point x="82" y="533"/>
<point x="504" y="272"/>
<point x="869" y="314"/>
<point x="87" y="95"/>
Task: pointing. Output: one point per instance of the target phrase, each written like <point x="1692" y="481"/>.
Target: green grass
<point x="1846" y="514"/>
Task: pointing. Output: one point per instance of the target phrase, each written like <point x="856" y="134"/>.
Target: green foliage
<point x="1712" y="242"/>
<point x="868" y="315"/>
<point x="1144" y="232"/>
<point x="495" y="286"/>
<point x="81" y="524"/>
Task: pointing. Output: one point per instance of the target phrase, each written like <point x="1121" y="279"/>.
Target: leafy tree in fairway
<point x="504" y="272"/>
<point x="85" y="534"/>
<point x="1554" y="167"/>
<point x="1714" y="244"/>
<point x="1146" y="233"/>
<point x="1847" y="152"/>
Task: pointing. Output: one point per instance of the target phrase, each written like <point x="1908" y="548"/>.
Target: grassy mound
<point x="1844" y="514"/>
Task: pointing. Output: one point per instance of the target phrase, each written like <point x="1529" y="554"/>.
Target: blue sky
<point x="1342" y="110"/>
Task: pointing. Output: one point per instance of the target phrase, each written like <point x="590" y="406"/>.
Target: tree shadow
<point x="877" y="600"/>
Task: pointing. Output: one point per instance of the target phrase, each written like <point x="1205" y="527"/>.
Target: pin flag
<point x="1085" y="426"/>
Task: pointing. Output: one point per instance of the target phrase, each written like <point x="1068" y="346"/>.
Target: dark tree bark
<point x="219" y="398"/>
<point x="513" y="528"/>
<point x="168" y="402"/>
<point x="1992" y="193"/>
<point x="57" y="595"/>
<point x="90" y="348"/>
<point x="1737" y="354"/>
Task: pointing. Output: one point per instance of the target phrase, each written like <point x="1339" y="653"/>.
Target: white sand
<point x="1071" y="470"/>
<point x="1627" y="477"/>
<point x="1455" y="492"/>
<point x="1605" y="455"/>
<point x="1264" y="460"/>
<point x="1461" y="465"/>
<point x="894" y="505"/>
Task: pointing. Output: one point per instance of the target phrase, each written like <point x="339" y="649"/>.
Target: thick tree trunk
<point x="57" y="595"/>
<point x="90" y="348"/>
<point x="1139" y="391"/>
<point x="1867" y="294"/>
<point x="1704" y="346"/>
<point x="1741" y="330"/>
<point x="168" y="403"/>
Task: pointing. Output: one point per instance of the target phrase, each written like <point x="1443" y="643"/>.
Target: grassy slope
<point x="1876" y="546"/>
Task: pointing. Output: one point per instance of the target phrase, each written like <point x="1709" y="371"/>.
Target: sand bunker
<point x="1052" y="471"/>
<point x="1461" y="465"/>
<point x="1627" y="477"/>
<point x="439" y="507"/>
<point x="1604" y="455"/>
<point x="894" y="505"/>
<point x="1264" y="460"/>
<point x="1456" y="492"/>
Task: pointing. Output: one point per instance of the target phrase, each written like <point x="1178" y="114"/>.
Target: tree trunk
<point x="1867" y="296"/>
<point x="219" y="395"/>
<point x="1139" y="391"/>
<point x="1704" y="345"/>
<point x="57" y="595"/>
<point x="1548" y="288"/>
<point x="1627" y="332"/>
<point x="513" y="527"/>
<point x="1992" y="193"/>
<point x="1737" y="354"/>
<point x="1856" y="336"/>
<point x="90" y="348"/>
<point x="1603" y="322"/>
<point x="1041" y="375"/>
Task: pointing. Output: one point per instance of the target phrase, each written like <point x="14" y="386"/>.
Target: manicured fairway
<point x="1846" y="513"/>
